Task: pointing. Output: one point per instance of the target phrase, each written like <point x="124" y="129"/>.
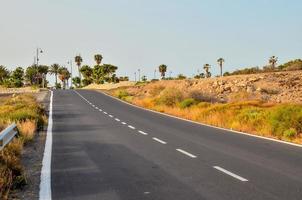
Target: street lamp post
<point x="39" y="50"/>
<point x="70" y="63"/>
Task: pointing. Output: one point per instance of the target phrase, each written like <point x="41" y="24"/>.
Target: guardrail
<point x="7" y="135"/>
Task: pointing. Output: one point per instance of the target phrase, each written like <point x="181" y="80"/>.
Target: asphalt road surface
<point x="105" y="149"/>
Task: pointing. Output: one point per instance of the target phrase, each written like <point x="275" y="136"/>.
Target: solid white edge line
<point x="202" y="124"/>
<point x="159" y="140"/>
<point x="132" y="127"/>
<point x="45" y="179"/>
<point x="186" y="153"/>
<point x="230" y="173"/>
<point x="142" y="132"/>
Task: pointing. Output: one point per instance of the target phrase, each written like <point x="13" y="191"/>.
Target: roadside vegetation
<point x="279" y="121"/>
<point x="29" y="117"/>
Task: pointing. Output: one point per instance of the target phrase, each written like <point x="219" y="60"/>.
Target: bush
<point x="290" y="133"/>
<point x="201" y="96"/>
<point x="122" y="94"/>
<point x="86" y="82"/>
<point x="187" y="103"/>
<point x="284" y="118"/>
<point x="170" y="96"/>
<point x="58" y="86"/>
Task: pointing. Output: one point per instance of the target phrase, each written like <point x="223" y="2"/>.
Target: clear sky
<point x="132" y="34"/>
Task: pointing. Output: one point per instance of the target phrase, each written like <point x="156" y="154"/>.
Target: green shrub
<point x="170" y="96"/>
<point x="187" y="103"/>
<point x="290" y="133"/>
<point x="122" y="94"/>
<point x="286" y="117"/>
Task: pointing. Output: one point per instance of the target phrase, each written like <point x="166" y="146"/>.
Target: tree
<point x="162" y="69"/>
<point x="32" y="75"/>
<point x="76" y="81"/>
<point x="17" y="77"/>
<point x="4" y="74"/>
<point x="86" y="71"/>
<point x="54" y="69"/>
<point x="207" y="67"/>
<point x="181" y="77"/>
<point x="273" y="61"/>
<point x="123" y="78"/>
<point x="220" y="62"/>
<point x="64" y="75"/>
<point x="43" y="70"/>
<point x="144" y="78"/>
<point x="98" y="58"/>
<point x="78" y="60"/>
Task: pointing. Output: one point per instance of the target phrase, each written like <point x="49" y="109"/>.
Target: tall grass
<point x="28" y="115"/>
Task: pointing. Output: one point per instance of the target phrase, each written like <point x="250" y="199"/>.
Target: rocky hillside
<point x="279" y="87"/>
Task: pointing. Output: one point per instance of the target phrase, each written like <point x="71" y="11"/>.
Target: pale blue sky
<point x="132" y="34"/>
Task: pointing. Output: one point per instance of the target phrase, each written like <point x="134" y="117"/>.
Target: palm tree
<point x="162" y="69"/>
<point x="54" y="69"/>
<point x="43" y="70"/>
<point x="4" y="73"/>
<point x="206" y="67"/>
<point x="220" y="62"/>
<point x="98" y="58"/>
<point x="273" y="61"/>
<point x="64" y="75"/>
<point x="78" y="60"/>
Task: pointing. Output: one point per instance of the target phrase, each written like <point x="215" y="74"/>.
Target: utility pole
<point x="155" y="74"/>
<point x="139" y="75"/>
<point x="135" y="76"/>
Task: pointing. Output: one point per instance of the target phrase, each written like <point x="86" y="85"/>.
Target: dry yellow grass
<point x="109" y="86"/>
<point x="28" y="115"/>
<point x="27" y="129"/>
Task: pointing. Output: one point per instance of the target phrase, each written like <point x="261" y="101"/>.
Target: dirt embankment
<point x="279" y="87"/>
<point x="109" y="86"/>
<point x="267" y="104"/>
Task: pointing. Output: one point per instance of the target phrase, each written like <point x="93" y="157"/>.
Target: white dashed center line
<point x="116" y="119"/>
<point x="230" y="173"/>
<point x="132" y="127"/>
<point x="100" y="110"/>
<point x="124" y="123"/>
<point x="142" y="132"/>
<point x="105" y="113"/>
<point x="96" y="108"/>
<point x="158" y="140"/>
<point x="186" y="153"/>
<point x="110" y="116"/>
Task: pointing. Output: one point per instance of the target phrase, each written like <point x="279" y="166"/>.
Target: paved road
<point x="105" y="149"/>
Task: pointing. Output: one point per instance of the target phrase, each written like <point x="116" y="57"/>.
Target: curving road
<point x="105" y="149"/>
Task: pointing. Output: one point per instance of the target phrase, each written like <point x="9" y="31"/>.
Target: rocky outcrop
<point x="280" y="87"/>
